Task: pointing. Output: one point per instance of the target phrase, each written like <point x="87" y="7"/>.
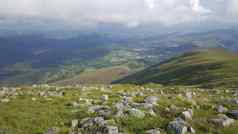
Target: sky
<point x="131" y="13"/>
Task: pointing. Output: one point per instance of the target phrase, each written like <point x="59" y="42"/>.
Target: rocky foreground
<point x="118" y="109"/>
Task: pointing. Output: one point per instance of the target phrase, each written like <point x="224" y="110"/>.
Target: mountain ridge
<point x="209" y="68"/>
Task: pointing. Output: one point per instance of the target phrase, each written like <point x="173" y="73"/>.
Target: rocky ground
<point x="118" y="109"/>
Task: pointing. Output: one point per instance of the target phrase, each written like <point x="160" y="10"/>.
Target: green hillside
<point x="98" y="76"/>
<point x="207" y="68"/>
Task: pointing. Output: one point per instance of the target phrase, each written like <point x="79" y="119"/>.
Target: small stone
<point x="191" y="130"/>
<point x="74" y="123"/>
<point x="187" y="115"/>
<point x="139" y="94"/>
<point x="233" y="114"/>
<point x="119" y="114"/>
<point x="153" y="131"/>
<point x="222" y="120"/>
<point x="177" y="127"/>
<point x="33" y="99"/>
<point x="52" y="131"/>
<point x="221" y="109"/>
<point x="6" y="100"/>
<point x="151" y="112"/>
<point x="75" y="104"/>
<point x="126" y="100"/>
<point x="235" y="93"/>
<point x="120" y="106"/>
<point x="189" y="95"/>
<point x="99" y="121"/>
<point x="104" y="97"/>
<point x="151" y="99"/>
<point x="86" y="122"/>
<point x="112" y="130"/>
<point x="137" y="113"/>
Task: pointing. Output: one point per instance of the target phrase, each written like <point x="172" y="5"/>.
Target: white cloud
<point x="196" y="7"/>
<point x="232" y="7"/>
<point x="130" y="12"/>
<point x="150" y="3"/>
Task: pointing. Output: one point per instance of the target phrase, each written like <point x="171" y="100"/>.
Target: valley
<point x="48" y="60"/>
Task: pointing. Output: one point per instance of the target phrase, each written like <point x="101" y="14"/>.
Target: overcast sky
<point x="129" y="12"/>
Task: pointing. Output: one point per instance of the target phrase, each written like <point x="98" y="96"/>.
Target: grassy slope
<point x="99" y="76"/>
<point x="204" y="68"/>
<point x="24" y="116"/>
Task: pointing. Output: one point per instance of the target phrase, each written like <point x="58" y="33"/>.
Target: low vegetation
<point x="206" y="68"/>
<point x="38" y="108"/>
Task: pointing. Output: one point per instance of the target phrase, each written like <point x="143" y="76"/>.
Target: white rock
<point x="6" y="100"/>
<point x="187" y="115"/>
<point x="104" y="97"/>
<point x="137" y="113"/>
<point x="153" y="131"/>
<point x="151" y="99"/>
<point x="74" y="123"/>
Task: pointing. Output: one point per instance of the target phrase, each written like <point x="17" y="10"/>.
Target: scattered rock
<point x="221" y="109"/>
<point x="179" y="126"/>
<point x="100" y="110"/>
<point x="222" y="121"/>
<point x="98" y="125"/>
<point x="126" y="100"/>
<point x="111" y="130"/>
<point x="233" y="114"/>
<point x="74" y="123"/>
<point x="75" y="104"/>
<point x="33" y="99"/>
<point x="6" y="100"/>
<point x="104" y="98"/>
<point x="139" y="94"/>
<point x="121" y="106"/>
<point x="189" y="95"/>
<point x="233" y="101"/>
<point x="151" y="100"/>
<point x="136" y="113"/>
<point x="153" y="131"/>
<point x="52" y="131"/>
<point x="89" y="122"/>
<point x="235" y="93"/>
<point x="187" y="115"/>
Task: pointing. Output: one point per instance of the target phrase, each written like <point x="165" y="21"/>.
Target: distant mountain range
<point x="28" y="59"/>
